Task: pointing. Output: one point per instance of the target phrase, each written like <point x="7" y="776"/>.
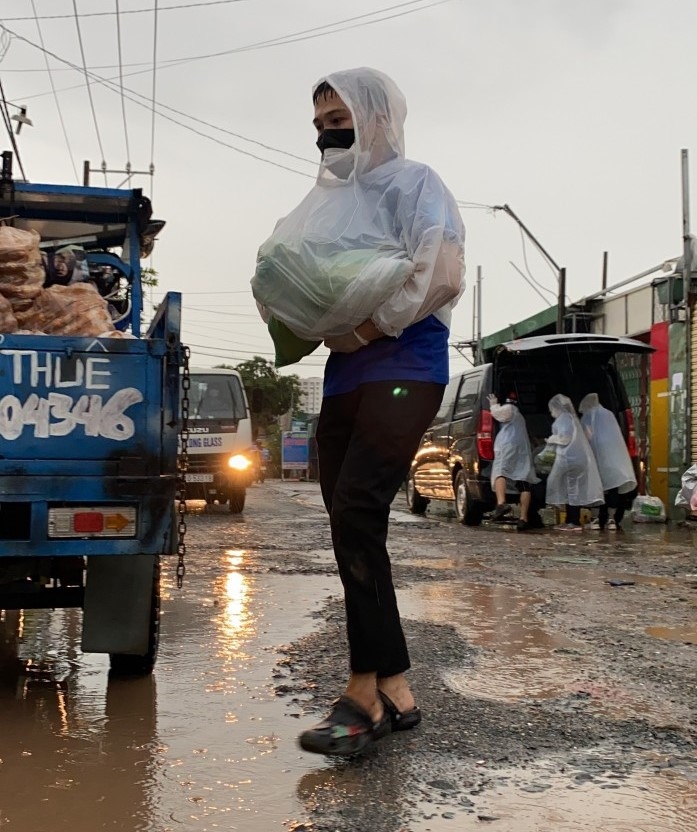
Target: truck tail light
<point x="631" y="433"/>
<point x="485" y="438"/>
<point x="92" y="521"/>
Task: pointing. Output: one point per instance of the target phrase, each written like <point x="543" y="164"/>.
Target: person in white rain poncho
<point x="371" y="262"/>
<point x="614" y="463"/>
<point x="513" y="460"/>
<point x="574" y="480"/>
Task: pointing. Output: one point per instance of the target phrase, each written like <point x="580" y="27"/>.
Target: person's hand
<point x="343" y="343"/>
<point x="493" y="399"/>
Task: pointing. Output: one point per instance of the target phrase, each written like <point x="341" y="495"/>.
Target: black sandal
<point x="347" y="729"/>
<point x="400" y="720"/>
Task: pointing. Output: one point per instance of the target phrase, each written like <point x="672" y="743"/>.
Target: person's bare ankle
<point x="362" y="689"/>
<point x="398" y="691"/>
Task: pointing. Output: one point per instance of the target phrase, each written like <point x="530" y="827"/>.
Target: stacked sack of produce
<point x="27" y="307"/>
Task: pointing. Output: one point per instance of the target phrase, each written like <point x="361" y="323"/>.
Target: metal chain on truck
<point x="183" y="467"/>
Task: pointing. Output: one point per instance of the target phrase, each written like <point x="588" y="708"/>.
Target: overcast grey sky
<point x="571" y="111"/>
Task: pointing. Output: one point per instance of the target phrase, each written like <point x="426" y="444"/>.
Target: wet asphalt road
<point x="553" y="701"/>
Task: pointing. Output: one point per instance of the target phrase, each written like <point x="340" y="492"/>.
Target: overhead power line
<point x="55" y="94"/>
<point x="333" y="28"/>
<point x="123" y="100"/>
<point x="148" y="105"/>
<point x="154" y="91"/>
<point x="89" y="88"/>
<point x="131" y="11"/>
<point x="317" y="31"/>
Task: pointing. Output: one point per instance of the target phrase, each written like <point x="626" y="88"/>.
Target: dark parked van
<point x="456" y="452"/>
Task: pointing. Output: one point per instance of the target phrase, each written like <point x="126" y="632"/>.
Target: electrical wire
<point x="333" y="28"/>
<point x="131" y="11"/>
<point x="218" y="312"/>
<point x="55" y="95"/>
<point x="530" y="282"/>
<point x="527" y="267"/>
<point x="318" y="32"/>
<point x="123" y="100"/>
<point x="154" y="91"/>
<point x="462" y="204"/>
<point x="89" y="88"/>
<point x="114" y="88"/>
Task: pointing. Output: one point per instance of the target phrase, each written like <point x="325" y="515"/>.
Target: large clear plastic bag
<point x="378" y="236"/>
<point x="320" y="289"/>
<point x="544" y="460"/>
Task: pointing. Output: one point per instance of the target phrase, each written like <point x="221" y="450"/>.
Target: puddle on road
<point x="203" y="744"/>
<point x="519" y="659"/>
<point x="641" y="803"/>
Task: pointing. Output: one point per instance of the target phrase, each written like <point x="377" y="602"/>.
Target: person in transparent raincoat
<point x="385" y="375"/>
<point x="513" y="460"/>
<point x="574" y="480"/>
<point x="614" y="463"/>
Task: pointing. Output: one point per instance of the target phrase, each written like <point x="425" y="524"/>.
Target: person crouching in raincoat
<point x="574" y="480"/>
<point x="614" y="463"/>
<point x="513" y="460"/>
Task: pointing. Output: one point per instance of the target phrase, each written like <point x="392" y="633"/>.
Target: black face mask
<point x="341" y="139"/>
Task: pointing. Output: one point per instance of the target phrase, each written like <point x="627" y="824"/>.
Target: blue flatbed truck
<point x="89" y="427"/>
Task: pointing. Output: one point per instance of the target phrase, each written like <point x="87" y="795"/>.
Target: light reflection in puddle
<point x="519" y="658"/>
<point x="642" y="803"/>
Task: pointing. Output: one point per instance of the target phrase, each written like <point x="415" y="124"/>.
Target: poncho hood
<point x="379" y="111"/>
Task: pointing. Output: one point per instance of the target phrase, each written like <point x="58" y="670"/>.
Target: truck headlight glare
<point x="239" y="462"/>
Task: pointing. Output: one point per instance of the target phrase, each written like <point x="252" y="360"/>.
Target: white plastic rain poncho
<point x="574" y="479"/>
<point x="512" y="451"/>
<point x="610" y="449"/>
<point x="378" y="236"/>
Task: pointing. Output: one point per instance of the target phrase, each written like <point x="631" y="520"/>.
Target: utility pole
<point x="604" y="272"/>
<point x="561" y="302"/>
<point x="478" y="354"/>
<point x="686" y="281"/>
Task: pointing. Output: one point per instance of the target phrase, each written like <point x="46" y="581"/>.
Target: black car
<point x="456" y="452"/>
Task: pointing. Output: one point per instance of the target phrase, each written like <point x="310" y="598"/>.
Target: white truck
<point x="222" y="455"/>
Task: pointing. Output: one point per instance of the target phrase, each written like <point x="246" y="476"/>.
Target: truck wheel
<point x="417" y="504"/>
<point x="469" y="512"/>
<point x="236" y="500"/>
<point x="126" y="664"/>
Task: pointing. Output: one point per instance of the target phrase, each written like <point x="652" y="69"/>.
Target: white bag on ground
<point x="647" y="509"/>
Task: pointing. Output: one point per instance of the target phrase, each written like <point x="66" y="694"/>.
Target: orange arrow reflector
<point x="116" y="521"/>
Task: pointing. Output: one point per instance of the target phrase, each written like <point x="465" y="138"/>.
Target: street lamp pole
<point x="561" y="272"/>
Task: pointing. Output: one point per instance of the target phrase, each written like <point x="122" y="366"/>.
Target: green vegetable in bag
<point x="544" y="460"/>
<point x="289" y="347"/>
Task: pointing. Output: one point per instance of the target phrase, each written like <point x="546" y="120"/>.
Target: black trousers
<point x="366" y="440"/>
<point x="613" y="499"/>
